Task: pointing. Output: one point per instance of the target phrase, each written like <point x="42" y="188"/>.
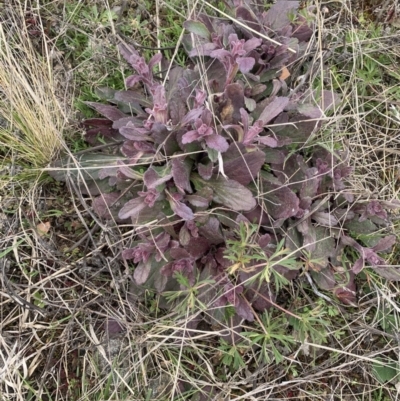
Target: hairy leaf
<point x="197" y="200"/>
<point x="228" y="192"/>
<point x="277" y="17"/>
<point x="205" y="170"/>
<point x="198" y="28"/>
<point x="212" y="231"/>
<point x="111" y="112"/>
<point x="248" y="17"/>
<point x="245" y="64"/>
<point x="390" y="273"/>
<point x="104" y="205"/>
<point x="280" y="201"/>
<point x="181" y="210"/>
<point x="141" y="273"/>
<point x="273" y="109"/>
<point x="131" y="96"/>
<point x="181" y="169"/>
<point x="132" y="208"/>
<point x="217" y="142"/>
<point x="242" y="165"/>
<point x="155" y="176"/>
<point x="197" y="247"/>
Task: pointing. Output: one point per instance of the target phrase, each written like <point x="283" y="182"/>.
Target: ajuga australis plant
<point x="212" y="170"/>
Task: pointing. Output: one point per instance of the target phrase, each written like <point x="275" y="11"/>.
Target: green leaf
<point x="387" y="372"/>
<point x="198" y="28"/>
<point x="9" y="249"/>
<point x="227" y="192"/>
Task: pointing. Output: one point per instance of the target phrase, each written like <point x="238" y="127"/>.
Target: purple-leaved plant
<point x="193" y="164"/>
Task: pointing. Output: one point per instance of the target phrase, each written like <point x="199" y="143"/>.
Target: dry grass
<point x="33" y="115"/>
<point x="61" y="352"/>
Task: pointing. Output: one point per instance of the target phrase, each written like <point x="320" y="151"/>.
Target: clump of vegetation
<point x="32" y="116"/>
<point x="216" y="154"/>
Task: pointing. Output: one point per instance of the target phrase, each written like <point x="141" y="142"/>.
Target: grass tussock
<point x="32" y="114"/>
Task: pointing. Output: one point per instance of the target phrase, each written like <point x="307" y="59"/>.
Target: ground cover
<point x="85" y="316"/>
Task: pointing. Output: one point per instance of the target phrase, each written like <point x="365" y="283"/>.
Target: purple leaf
<point x="326" y="219"/>
<point x="181" y="210"/>
<point x="155" y="60"/>
<point x="140" y="253"/>
<point x="258" y="294"/>
<point x="97" y="122"/>
<point x="385" y="243"/>
<point x="274" y="156"/>
<point x="253" y="131"/>
<point x="141" y="273"/>
<point x="279" y="201"/>
<point x="150" y="196"/>
<point x="191" y="116"/>
<point x="391" y="273"/>
<point x="245" y="64"/>
<point x="179" y="253"/>
<point x="197" y="201"/>
<point x="103" y="203"/>
<point x="347" y="294"/>
<point x="205" y="170"/>
<point x="221" y="54"/>
<point x="123" y="122"/>
<point x="198" y="247"/>
<point x="358" y="266"/>
<point x="242" y="165"/>
<point x="351" y="242"/>
<point x="217" y="142"/>
<point x="112" y="327"/>
<point x="325" y="279"/>
<point x="134" y="133"/>
<point x="181" y="169"/>
<point x="111" y="112"/>
<point x="268" y="141"/>
<point x="273" y="109"/>
<point x="184" y="236"/>
<point x="264" y="241"/>
<point x="190" y="137"/>
<point x="309" y="110"/>
<point x="229" y="193"/>
<point x="277" y="17"/>
<point x="373" y="208"/>
<point x="212" y="231"/>
<point x="132" y="208"/>
<point x="324" y="247"/>
<point x="127" y="171"/>
<point x="248" y="17"/>
<point x="160" y="282"/>
<point x="244" y="310"/>
<point x="131" y="96"/>
<point x="203" y="50"/>
<point x="132" y="80"/>
<point x="309" y="235"/>
<point x="153" y="178"/>
<point x="252" y="44"/>
<point x="369" y="254"/>
<point x="309" y="187"/>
